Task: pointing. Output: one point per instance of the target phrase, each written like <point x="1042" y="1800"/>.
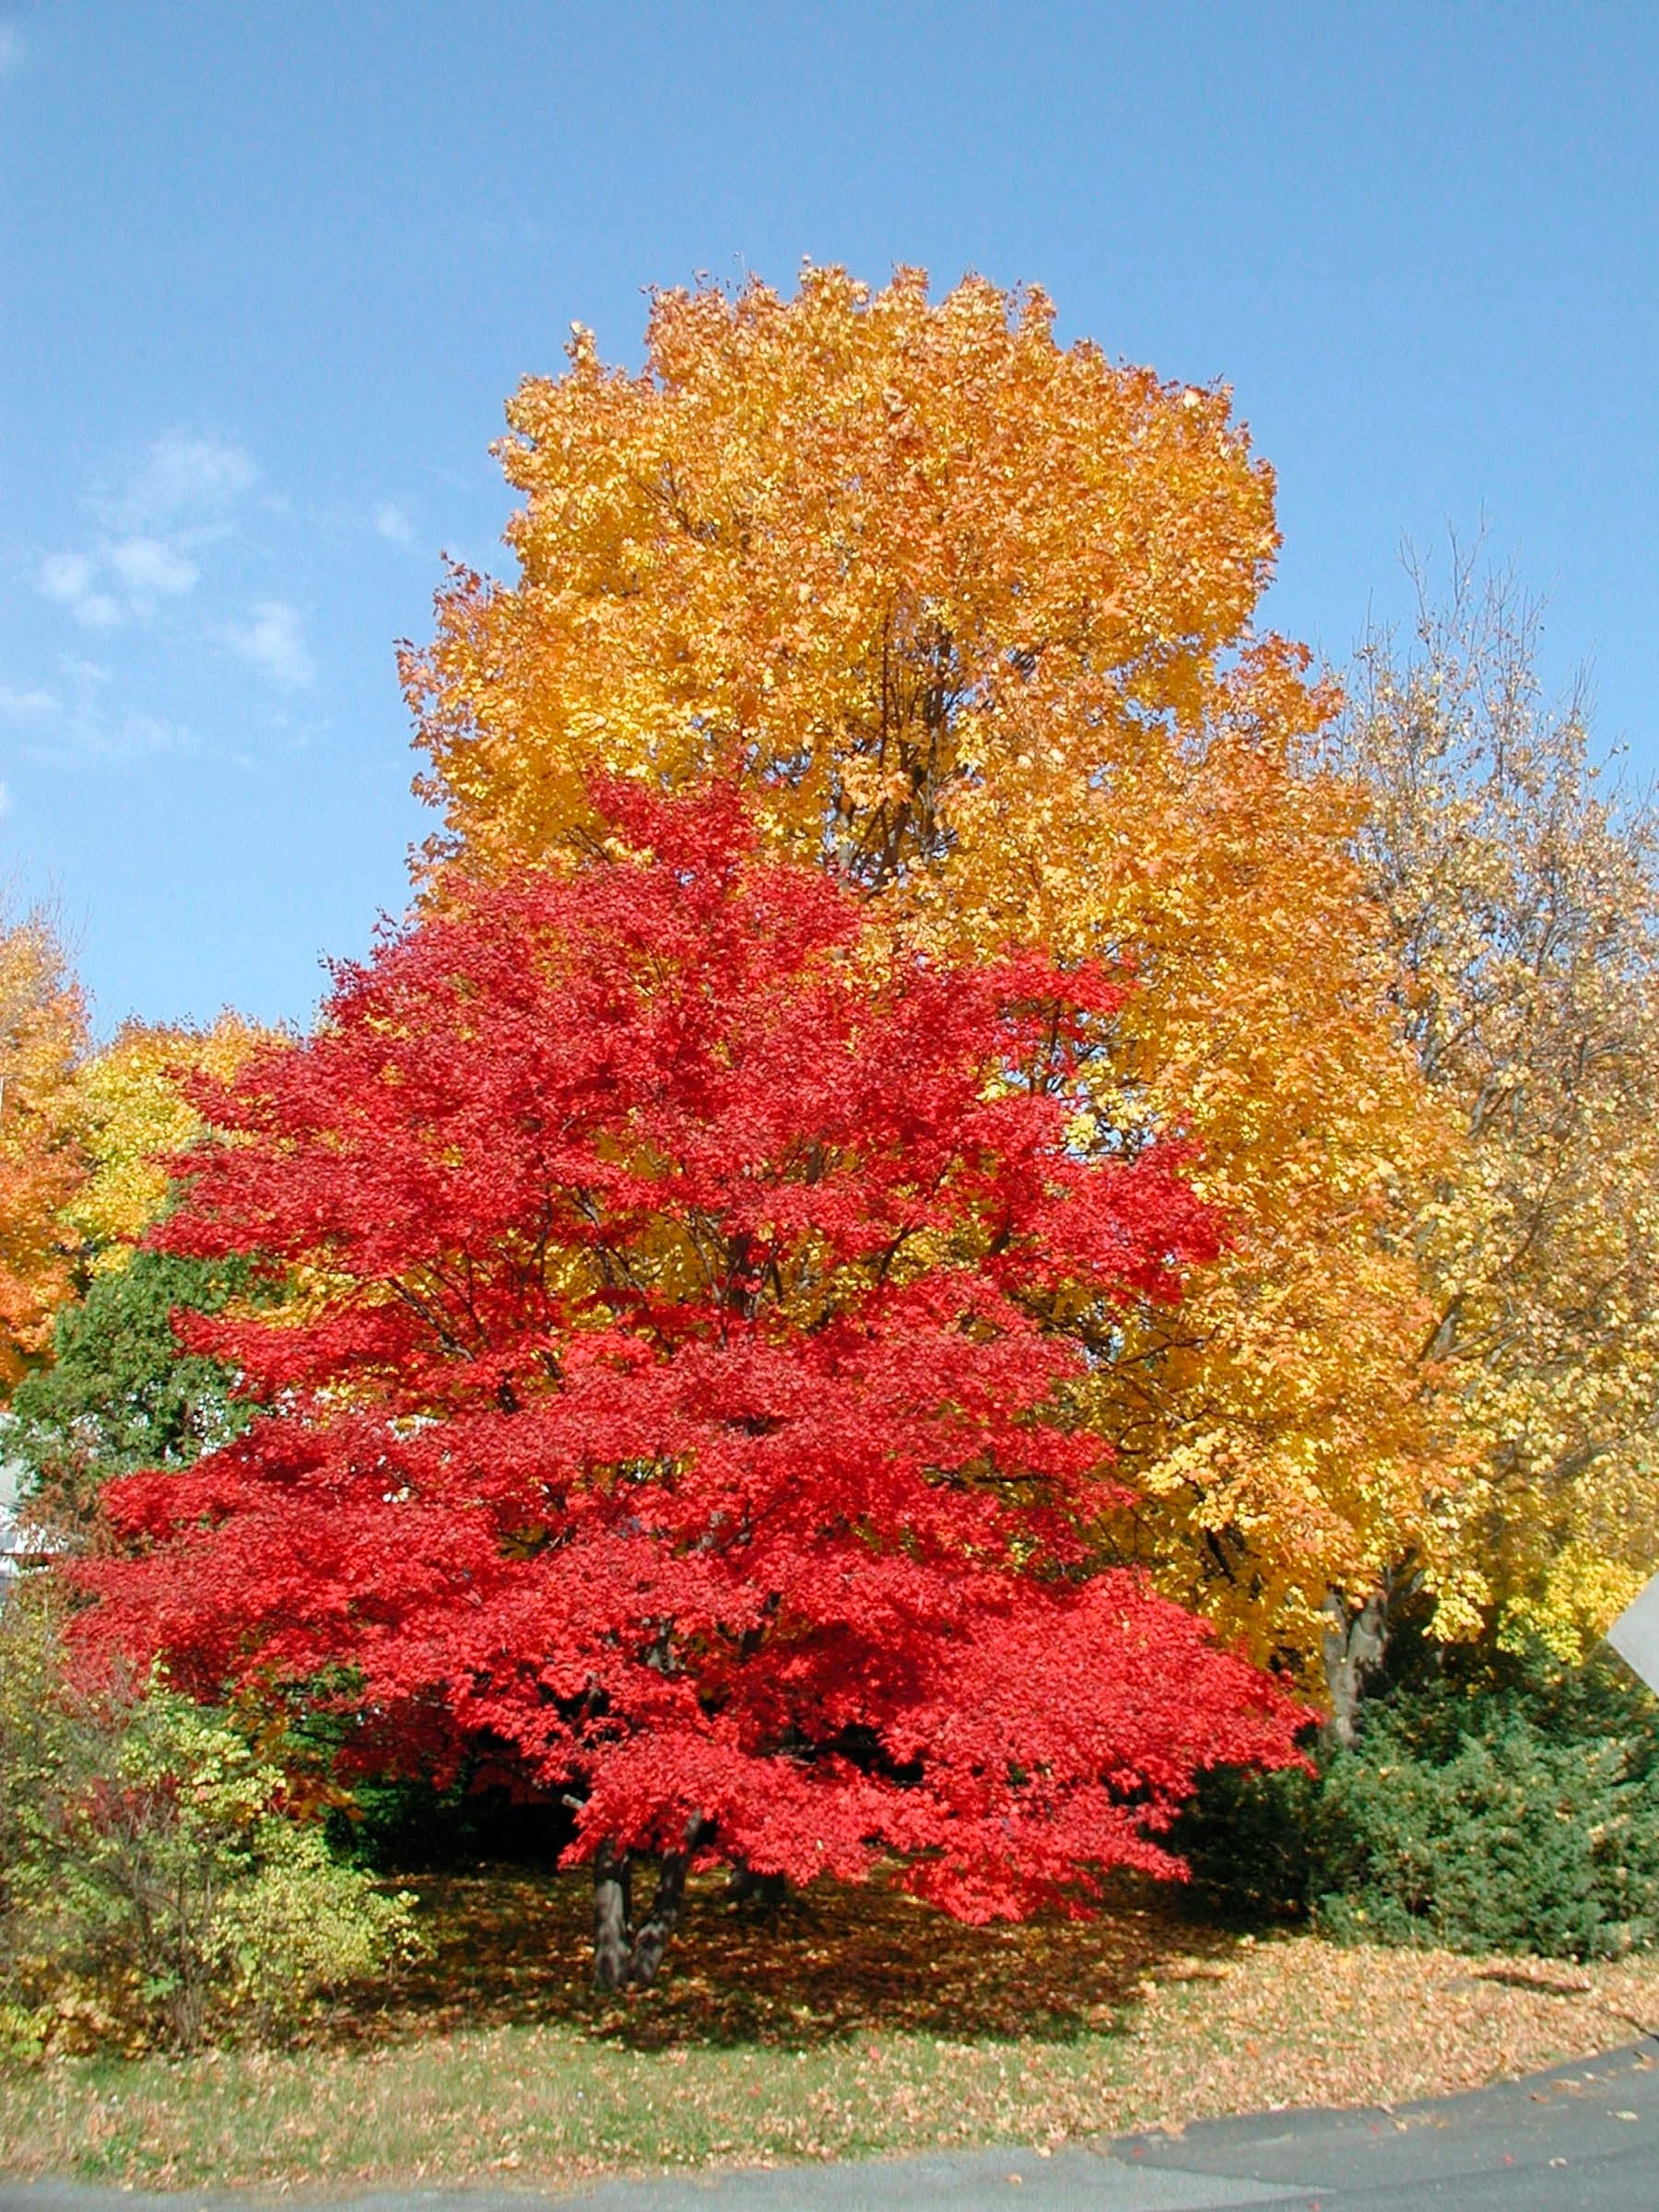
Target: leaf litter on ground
<point x="847" y="2023"/>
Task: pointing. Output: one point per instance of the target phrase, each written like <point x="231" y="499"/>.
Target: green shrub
<point x="152" y="1888"/>
<point x="1514" y="1807"/>
<point x="1246" y="1836"/>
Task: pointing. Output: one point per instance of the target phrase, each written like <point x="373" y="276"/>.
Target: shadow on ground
<point x="511" y="1947"/>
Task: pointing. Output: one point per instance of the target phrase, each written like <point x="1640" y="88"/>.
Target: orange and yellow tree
<point x="972" y="612"/>
<point x="42" y="1032"/>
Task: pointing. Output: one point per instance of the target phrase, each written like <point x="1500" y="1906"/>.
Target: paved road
<point x="1579" y="2140"/>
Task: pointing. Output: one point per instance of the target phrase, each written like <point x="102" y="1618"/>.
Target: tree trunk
<point x="745" y="1887"/>
<point x="612" y="1912"/>
<point x="651" y="1940"/>
<point x="1354" y="1645"/>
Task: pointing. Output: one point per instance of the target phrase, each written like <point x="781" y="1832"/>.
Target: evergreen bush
<point x="1492" y="1805"/>
<point x="119" y="1391"/>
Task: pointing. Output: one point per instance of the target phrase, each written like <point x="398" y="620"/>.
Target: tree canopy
<point x="43" y="1034"/>
<point x="1522" y="890"/>
<point x="134" y="1113"/>
<point x="972" y="615"/>
<point x="118" y="1392"/>
<point x="677" y="1411"/>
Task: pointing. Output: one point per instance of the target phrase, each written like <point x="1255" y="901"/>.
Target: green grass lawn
<point x="535" y="2102"/>
<point x="844" y="2021"/>
<point x="852" y="2022"/>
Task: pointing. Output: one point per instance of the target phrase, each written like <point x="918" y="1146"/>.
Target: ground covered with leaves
<point x="849" y="2023"/>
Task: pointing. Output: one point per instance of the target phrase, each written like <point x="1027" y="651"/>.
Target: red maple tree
<point x="663" y="1414"/>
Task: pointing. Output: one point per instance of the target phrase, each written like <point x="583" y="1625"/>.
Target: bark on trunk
<point x="651" y="1940"/>
<point x="1354" y="1645"/>
<point x="613" y="1914"/>
<point x="624" y="1956"/>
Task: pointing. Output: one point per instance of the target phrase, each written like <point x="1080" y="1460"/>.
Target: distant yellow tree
<point x="1523" y="897"/>
<point x="972" y="613"/>
<point x="43" y="1031"/>
<point x="133" y="1110"/>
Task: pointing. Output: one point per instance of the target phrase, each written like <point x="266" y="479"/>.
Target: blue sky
<point x="268" y="271"/>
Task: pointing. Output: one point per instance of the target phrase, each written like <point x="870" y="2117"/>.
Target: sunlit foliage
<point x="972" y="613"/>
<point x="134" y="1115"/>
<point x="43" y="1031"/>
<point x="671" y="1424"/>
<point x="1521" y="888"/>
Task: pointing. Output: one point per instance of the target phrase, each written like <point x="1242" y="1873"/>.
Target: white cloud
<point x="274" y="642"/>
<point x="179" y="497"/>
<point x="151" y="568"/>
<point x="179" y="524"/>
<point x="182" y="479"/>
<point x="11" y="49"/>
<point x="26" y="706"/>
<point x="66" y="577"/>
<point x="393" y="525"/>
<point x="143" y="570"/>
<point x="70" y="579"/>
<point x="5" y="800"/>
<point x="138" y="732"/>
<point x="87" y="719"/>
